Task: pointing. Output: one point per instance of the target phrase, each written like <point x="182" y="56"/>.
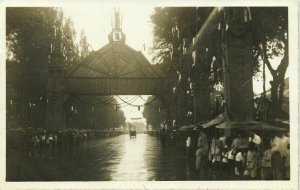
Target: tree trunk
<point x="277" y="85"/>
<point x="274" y="97"/>
<point x="282" y="70"/>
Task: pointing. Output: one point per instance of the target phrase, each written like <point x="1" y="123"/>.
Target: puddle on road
<point x="132" y="166"/>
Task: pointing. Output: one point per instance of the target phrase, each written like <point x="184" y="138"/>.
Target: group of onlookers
<point x="239" y="156"/>
<point x="166" y="136"/>
<point x="43" y="143"/>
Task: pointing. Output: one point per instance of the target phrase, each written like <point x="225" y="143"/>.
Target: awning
<point x="214" y="121"/>
<point x="186" y="127"/>
<point x="264" y="127"/>
<point x="280" y="123"/>
<point x="235" y="125"/>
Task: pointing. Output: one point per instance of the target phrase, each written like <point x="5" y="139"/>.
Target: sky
<point x="96" y="23"/>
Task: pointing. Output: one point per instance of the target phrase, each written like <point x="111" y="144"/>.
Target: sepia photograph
<point x="148" y="93"/>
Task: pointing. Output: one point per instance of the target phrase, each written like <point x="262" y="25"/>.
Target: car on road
<point x="132" y="134"/>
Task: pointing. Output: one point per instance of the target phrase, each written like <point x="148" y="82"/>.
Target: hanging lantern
<point x="159" y="110"/>
<point x="47" y="100"/>
<point x="51" y="48"/>
<point x="41" y="98"/>
<point x="72" y="108"/>
<point x="29" y="104"/>
<point x="191" y="85"/>
<point x="116" y="108"/>
<point x="11" y="102"/>
<point x="139" y="108"/>
<point x="93" y="109"/>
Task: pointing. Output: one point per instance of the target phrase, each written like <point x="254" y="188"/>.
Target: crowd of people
<point x="34" y="142"/>
<point x="217" y="154"/>
<point x="240" y="156"/>
<point x="166" y="136"/>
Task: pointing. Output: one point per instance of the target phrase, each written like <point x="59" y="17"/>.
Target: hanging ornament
<point x="194" y="41"/>
<point x="174" y="90"/>
<point x="51" y="48"/>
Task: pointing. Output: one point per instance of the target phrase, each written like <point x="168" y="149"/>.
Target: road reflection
<point x="118" y="158"/>
<point x="132" y="166"/>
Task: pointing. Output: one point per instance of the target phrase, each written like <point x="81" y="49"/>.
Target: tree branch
<point x="266" y="60"/>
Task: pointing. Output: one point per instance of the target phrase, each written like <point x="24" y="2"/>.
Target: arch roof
<point x="116" y="60"/>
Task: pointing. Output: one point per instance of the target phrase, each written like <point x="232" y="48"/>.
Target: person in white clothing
<point x="239" y="163"/>
<point x="188" y="145"/>
<point x="279" y="152"/>
<point x="253" y="137"/>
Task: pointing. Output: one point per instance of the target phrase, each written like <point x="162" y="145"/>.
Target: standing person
<point x="287" y="163"/>
<point x="266" y="169"/>
<point x="252" y="162"/>
<point x="188" y="145"/>
<point x="225" y="169"/>
<point x="202" y="154"/>
<point x="237" y="140"/>
<point x="216" y="156"/>
<point x="49" y="144"/>
<point x="239" y="163"/>
<point x="36" y="144"/>
<point x="254" y="138"/>
<point x="157" y="134"/>
<point x="163" y="136"/>
<point x="43" y="143"/>
<point x="279" y="153"/>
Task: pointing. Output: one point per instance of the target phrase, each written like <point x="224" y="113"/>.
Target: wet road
<point x="116" y="158"/>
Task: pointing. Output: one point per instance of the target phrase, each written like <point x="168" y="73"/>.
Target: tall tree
<point x="84" y="46"/>
<point x="270" y="29"/>
<point x="154" y="112"/>
<point x="28" y="35"/>
<point x="94" y="113"/>
<point x="40" y="41"/>
<point x="269" y="26"/>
